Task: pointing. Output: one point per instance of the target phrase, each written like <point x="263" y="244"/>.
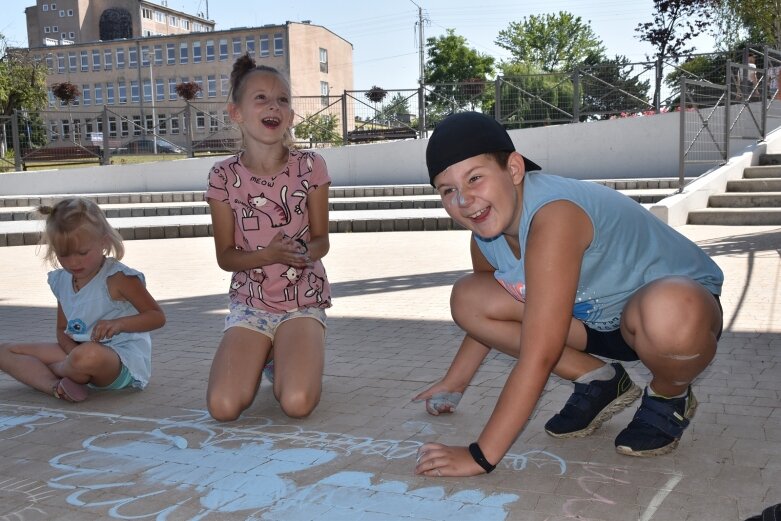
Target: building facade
<point x="135" y="77"/>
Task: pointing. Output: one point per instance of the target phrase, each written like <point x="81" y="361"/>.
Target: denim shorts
<point x="266" y="322"/>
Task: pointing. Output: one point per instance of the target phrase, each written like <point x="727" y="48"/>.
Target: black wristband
<point x="479" y="457"/>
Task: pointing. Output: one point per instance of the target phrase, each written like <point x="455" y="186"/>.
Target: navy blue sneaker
<point x="593" y="404"/>
<point x="657" y="426"/>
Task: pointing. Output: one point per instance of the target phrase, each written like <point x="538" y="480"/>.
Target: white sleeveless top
<point x="92" y="303"/>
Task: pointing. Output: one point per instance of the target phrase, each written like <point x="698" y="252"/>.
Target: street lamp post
<point x="152" y="92"/>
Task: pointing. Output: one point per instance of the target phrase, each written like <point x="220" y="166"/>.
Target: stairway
<point x="163" y="215"/>
<point x="753" y="200"/>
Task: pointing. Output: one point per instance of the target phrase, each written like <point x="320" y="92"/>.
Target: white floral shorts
<point x="266" y="322"/>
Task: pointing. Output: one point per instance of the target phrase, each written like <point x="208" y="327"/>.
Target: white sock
<point x="651" y="392"/>
<point x="606" y="372"/>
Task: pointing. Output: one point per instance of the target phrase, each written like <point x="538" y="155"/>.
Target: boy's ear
<point x="517" y="167"/>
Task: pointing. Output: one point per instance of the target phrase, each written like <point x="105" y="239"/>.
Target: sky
<point x="384" y="34"/>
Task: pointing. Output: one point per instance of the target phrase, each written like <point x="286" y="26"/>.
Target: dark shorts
<point x="611" y="344"/>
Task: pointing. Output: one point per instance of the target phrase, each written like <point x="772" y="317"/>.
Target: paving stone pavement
<point x="156" y="454"/>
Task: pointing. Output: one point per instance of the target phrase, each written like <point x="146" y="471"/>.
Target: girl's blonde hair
<point x="67" y="218"/>
<point x="242" y="68"/>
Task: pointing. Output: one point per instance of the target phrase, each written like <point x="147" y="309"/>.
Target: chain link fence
<point x="617" y="89"/>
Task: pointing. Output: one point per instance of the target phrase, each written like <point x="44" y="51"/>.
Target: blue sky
<point x="384" y="33"/>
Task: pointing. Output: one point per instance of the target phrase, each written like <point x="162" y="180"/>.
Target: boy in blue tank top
<point x="565" y="271"/>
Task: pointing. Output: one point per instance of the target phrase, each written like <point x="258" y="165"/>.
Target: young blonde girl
<point x="269" y="208"/>
<point x="104" y="312"/>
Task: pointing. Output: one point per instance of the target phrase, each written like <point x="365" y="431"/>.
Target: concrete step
<point x="754" y="185"/>
<point x="768" y="172"/>
<point x="746" y="200"/>
<point x="736" y="216"/>
<point x="770" y="159"/>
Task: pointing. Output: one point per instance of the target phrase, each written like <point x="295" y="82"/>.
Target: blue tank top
<point x="631" y="247"/>
<point x="92" y="303"/>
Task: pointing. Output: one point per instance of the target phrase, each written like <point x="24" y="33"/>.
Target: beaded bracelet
<point x="479" y="457"/>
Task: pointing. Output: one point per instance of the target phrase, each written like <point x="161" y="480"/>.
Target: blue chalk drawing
<point x="199" y="469"/>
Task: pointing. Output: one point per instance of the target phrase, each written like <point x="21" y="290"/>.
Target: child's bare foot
<point x="70" y="391"/>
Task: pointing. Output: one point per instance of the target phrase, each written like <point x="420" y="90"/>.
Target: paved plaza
<point x="156" y="454"/>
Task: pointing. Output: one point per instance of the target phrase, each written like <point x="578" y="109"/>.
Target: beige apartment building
<point x="127" y="56"/>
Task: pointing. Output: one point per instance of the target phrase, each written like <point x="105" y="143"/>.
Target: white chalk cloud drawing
<point x="193" y="468"/>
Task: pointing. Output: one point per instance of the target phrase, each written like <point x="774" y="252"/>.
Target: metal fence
<point x="712" y="115"/>
<point x="66" y="134"/>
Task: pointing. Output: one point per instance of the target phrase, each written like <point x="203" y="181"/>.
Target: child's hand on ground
<point x="440" y="398"/>
<point x="106" y="329"/>
<point x="288" y="251"/>
<point x="437" y="460"/>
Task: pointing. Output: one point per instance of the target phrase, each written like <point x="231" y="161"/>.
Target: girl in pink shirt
<point x="269" y="208"/>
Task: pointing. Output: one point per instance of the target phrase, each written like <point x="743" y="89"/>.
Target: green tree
<point x="675" y="23"/>
<point x="609" y="87"/>
<point x="318" y="128"/>
<point x="22" y="84"/>
<point x="396" y="112"/>
<point x="760" y="18"/>
<point x="551" y="42"/>
<point x="451" y="62"/>
<point x="531" y="98"/>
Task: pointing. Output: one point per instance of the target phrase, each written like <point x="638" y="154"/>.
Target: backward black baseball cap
<point x="464" y="135"/>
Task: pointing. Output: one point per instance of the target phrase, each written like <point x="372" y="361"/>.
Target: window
<point x="158" y="54"/>
<point x="186" y="24"/>
<point x="196" y="52"/>
<point x="84" y="61"/>
<point x="120" y="58"/>
<point x="53" y="7"/>
<point x="86" y="95"/>
<point x="200" y="121"/>
<point x="60" y="63"/>
<point x="213" y="122"/>
<point x="125" y="127"/>
<point x="172" y="89"/>
<point x="159" y="17"/>
<point x="223" y="49"/>
<point x="279" y="44"/>
<point x="70" y="12"/>
<point x="72" y="61"/>
<point x="71" y="35"/>
<point x="174" y="125"/>
<point x="173" y="21"/>
<point x="108" y="59"/>
<point x="50" y="63"/>
<point x="110" y="93"/>
<point x="199" y="81"/>
<point x="95" y="60"/>
<point x="211" y="86"/>
<point x="183" y="53"/>
<point x="146" y="13"/>
<point x="160" y="90"/>
<point x="324" y="91"/>
<point x="134" y="94"/>
<point x="62" y="13"/>
<point x="112" y="127"/>
<point x="162" y="123"/>
<point x="98" y="94"/>
<point x="250" y="40"/>
<point x="147" y="91"/>
<point x="47" y="29"/>
<point x="236" y="47"/>
<point x="136" y="125"/>
<point x="55" y="29"/>
<point x="122" y="89"/>
<point x="170" y="50"/>
<point x="224" y="84"/>
<point x="132" y="57"/>
<point x="323" y="60"/>
<point x="209" y="50"/>
<point x="45" y="7"/>
<point x="264" y="48"/>
<point x="144" y="56"/>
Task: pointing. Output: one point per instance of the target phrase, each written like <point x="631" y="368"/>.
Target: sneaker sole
<point x="691" y="408"/>
<point x="616" y="406"/>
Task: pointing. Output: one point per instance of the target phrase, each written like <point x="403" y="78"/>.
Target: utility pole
<point x="421" y="79"/>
